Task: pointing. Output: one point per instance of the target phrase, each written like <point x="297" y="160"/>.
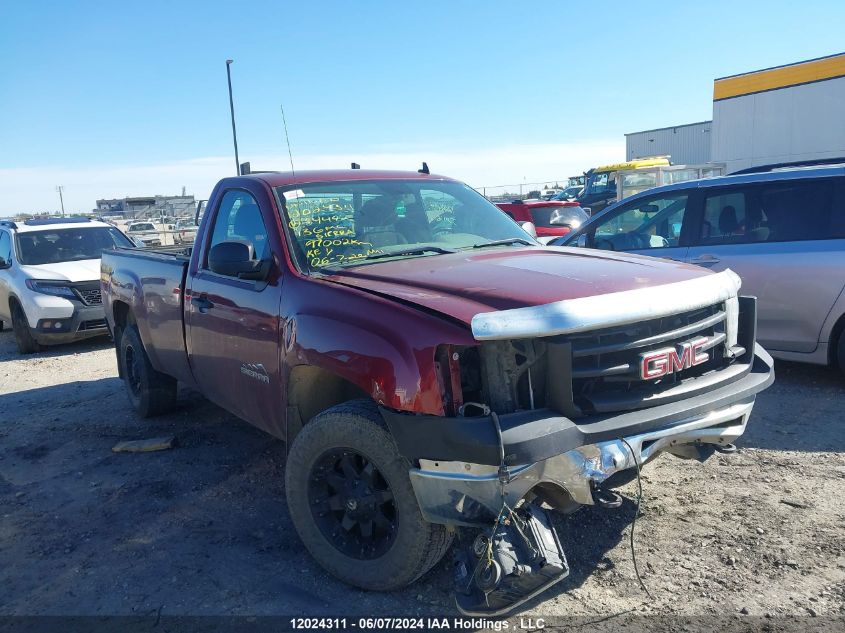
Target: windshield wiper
<point x="412" y="251"/>
<point x="420" y="250"/>
<point x="510" y="240"/>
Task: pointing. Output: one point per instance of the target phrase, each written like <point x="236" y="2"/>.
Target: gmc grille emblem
<point x="672" y="359"/>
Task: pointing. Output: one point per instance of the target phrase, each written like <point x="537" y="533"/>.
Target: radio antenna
<point x="287" y="140"/>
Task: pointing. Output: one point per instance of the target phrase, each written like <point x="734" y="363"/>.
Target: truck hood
<point x="462" y="285"/>
<point x="82" y="270"/>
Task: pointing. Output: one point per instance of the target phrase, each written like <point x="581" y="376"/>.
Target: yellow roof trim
<point x="782" y="77"/>
<point x="635" y="164"/>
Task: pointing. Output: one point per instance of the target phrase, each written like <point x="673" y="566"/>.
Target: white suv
<point x="50" y="279"/>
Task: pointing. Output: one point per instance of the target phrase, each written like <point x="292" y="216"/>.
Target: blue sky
<point x="123" y="98"/>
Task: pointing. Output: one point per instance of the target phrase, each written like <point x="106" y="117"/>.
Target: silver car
<point x="781" y="229"/>
<point x="145" y="232"/>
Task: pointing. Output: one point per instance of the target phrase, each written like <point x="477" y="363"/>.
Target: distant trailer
<point x="631" y="181"/>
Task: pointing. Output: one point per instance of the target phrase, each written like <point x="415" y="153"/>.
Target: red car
<point x="552" y="218"/>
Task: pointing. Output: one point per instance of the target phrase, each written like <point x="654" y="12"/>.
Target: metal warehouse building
<point x="775" y="115"/>
<point x="783" y="114"/>
<point x="687" y="144"/>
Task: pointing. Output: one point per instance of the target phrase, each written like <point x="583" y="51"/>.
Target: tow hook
<point x="607" y="499"/>
<point x="726" y="449"/>
<point x="502" y="568"/>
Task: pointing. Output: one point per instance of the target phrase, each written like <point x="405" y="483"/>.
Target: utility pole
<point x="60" y="188"/>
<point x="232" y="110"/>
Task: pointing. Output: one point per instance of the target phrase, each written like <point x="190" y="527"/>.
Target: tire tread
<point x="158" y="390"/>
<point x="432" y="540"/>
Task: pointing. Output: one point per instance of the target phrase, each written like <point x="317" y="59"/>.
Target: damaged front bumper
<point x="566" y="462"/>
<point x="465" y="494"/>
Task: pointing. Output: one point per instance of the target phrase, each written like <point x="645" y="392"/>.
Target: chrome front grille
<point x="606" y="363"/>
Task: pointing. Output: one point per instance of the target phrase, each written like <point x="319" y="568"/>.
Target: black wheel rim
<point x="133" y="370"/>
<point x="352" y="504"/>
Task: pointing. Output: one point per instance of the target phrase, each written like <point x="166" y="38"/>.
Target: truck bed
<point x="150" y="282"/>
<point x="179" y="251"/>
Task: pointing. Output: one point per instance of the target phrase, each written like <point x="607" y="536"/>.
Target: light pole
<point x="60" y="188"/>
<point x="232" y="110"/>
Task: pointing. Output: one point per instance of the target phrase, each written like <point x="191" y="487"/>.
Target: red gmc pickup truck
<point x="431" y="368"/>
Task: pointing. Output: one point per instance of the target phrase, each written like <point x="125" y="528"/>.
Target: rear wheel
<point x="23" y="336"/>
<point x="150" y="392"/>
<point x="351" y="501"/>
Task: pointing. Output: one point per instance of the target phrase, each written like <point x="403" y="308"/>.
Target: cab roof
<point x="286" y="178"/>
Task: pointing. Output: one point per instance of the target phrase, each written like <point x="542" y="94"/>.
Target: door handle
<point x="202" y="303"/>
<point x="705" y="259"/>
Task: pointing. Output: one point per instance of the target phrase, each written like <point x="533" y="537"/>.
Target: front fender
<point x="384" y="347"/>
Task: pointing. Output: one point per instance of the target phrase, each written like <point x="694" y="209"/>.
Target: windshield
<point x="557" y="216"/>
<point x="600" y="182"/>
<point x="141" y="227"/>
<point x="345" y="223"/>
<point x="67" y="245"/>
<point x="569" y="192"/>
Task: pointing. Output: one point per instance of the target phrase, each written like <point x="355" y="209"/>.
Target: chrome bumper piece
<point x="616" y="308"/>
<point x="459" y="493"/>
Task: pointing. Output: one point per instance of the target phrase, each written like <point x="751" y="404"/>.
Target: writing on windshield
<point x="345" y="223"/>
<point x="324" y="228"/>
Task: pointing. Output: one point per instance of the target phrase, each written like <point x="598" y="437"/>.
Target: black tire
<point x="23" y="336"/>
<point x="840" y="352"/>
<point x="150" y="392"/>
<point x="391" y="556"/>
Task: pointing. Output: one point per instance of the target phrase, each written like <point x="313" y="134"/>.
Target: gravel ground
<point x="203" y="529"/>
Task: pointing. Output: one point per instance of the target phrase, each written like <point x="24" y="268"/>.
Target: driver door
<point x="652" y="225"/>
<point x="233" y="324"/>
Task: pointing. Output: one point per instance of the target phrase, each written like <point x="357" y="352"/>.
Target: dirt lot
<point x="203" y="529"/>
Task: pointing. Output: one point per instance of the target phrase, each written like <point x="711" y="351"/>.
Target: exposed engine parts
<point x="502" y="568"/>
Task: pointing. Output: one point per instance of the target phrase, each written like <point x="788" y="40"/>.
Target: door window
<point x="645" y="224"/>
<point x="239" y="220"/>
<point x="724" y="218"/>
<point x="793" y="211"/>
<point x="5" y="247"/>
<point x="778" y="212"/>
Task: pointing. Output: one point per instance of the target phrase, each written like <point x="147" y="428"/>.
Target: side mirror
<point x="529" y="228"/>
<point x="588" y="210"/>
<point x="234" y="259"/>
<point x="5" y="263"/>
<point x="582" y="241"/>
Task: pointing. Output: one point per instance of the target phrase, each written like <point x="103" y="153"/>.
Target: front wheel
<point x="23" y="336"/>
<point x="352" y="503"/>
<point x="150" y="392"/>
